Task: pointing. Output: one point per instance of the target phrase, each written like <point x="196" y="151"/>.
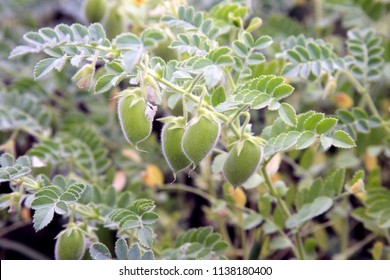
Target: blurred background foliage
<point x="57" y="110"/>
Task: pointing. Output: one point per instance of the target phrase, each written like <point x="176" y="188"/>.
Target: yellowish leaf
<point x="358" y="190"/>
<point x="377" y="250"/>
<point x="238" y="195"/>
<point x="370" y="162"/>
<point x="25" y="214"/>
<point x="152" y="176"/>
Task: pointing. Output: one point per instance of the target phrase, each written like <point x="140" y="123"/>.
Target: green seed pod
<point x="94" y="10"/>
<point x="135" y="118"/>
<point x="114" y="24"/>
<point x="242" y="162"/>
<point x="171" y="138"/>
<point x="200" y="137"/>
<point x="70" y="245"/>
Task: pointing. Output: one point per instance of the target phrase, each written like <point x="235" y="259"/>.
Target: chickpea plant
<point x="211" y="98"/>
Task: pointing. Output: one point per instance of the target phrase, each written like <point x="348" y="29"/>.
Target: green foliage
<point x="99" y="251"/>
<point x="309" y="58"/>
<point x="258" y="93"/>
<point x="378" y="206"/>
<point x="54" y="199"/>
<point x="139" y="215"/>
<point x="365" y="46"/>
<point x="357" y="120"/>
<point x="331" y="186"/>
<point x="191" y="21"/>
<point x="309" y="211"/>
<point x="82" y="148"/>
<point x="23" y="112"/>
<point x="199" y="243"/>
<point x="251" y="102"/>
<point x="309" y="127"/>
<point x="11" y="170"/>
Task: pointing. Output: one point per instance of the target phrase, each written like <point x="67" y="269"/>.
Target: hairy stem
<point x="192" y="97"/>
<point x="300" y="253"/>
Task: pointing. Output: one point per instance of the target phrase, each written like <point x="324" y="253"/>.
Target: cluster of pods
<point x="187" y="143"/>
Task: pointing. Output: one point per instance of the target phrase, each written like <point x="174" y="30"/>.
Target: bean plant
<point x="156" y="130"/>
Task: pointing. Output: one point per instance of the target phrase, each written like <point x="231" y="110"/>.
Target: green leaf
<point x="203" y="242"/>
<point x="218" y="162"/>
<point x="261" y="101"/>
<point x="145" y="236"/>
<point x="202" y="63"/>
<point x="42" y="217"/>
<point x="263" y="42"/>
<point x="290" y="140"/>
<point x="240" y="49"/>
<point x="218" y="96"/>
<point x="254" y="24"/>
<point x="107" y="82"/>
<point x="131" y="58"/>
<point x="99" y="251"/>
<point x="252" y="220"/>
<point x="7" y="160"/>
<point x="341" y="139"/>
<point x="326" y="125"/>
<point x="193" y="250"/>
<point x="121" y="249"/>
<point x="359" y="175"/>
<point x="309" y="211"/>
<point x="127" y="41"/>
<point x="282" y="91"/>
<point x="287" y="114"/>
<point x="306" y="139"/>
<point x="326" y="142"/>
<point x="378" y="206"/>
<point x="11" y="170"/>
<point x="134" y="252"/>
<point x="44" y="66"/>
<point x="149" y="218"/>
<point x="312" y="121"/>
<point x="220" y="248"/>
<point x="148" y="255"/>
<point x="335" y="181"/>
<point x="152" y="37"/>
<point x="212" y="239"/>
<point x="248" y="39"/>
<point x="345" y="116"/>
<point x="279" y="243"/>
<point x="255" y="58"/>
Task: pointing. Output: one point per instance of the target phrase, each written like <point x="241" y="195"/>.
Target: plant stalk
<point x="300" y="254"/>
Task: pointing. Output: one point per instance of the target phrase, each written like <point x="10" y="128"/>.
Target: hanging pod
<point x="94" y="10"/>
<point x="70" y="244"/>
<point x="114" y="23"/>
<point x="200" y="137"/>
<point x="242" y="162"/>
<point x="171" y="138"/>
<point x="135" y="117"/>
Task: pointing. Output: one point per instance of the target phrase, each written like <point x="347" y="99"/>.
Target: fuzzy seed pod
<point x="200" y="137"/>
<point x="135" y="118"/>
<point x="171" y="138"/>
<point x="242" y="162"/>
<point x="70" y="245"/>
<point x="114" y="24"/>
<point x="94" y="10"/>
